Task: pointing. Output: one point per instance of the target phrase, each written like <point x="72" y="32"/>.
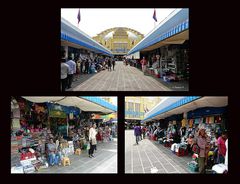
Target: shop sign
<point x="57" y="114"/>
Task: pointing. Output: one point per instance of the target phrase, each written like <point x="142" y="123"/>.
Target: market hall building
<point x="76" y="42"/>
<point x="37" y="119"/>
<point x="166" y="48"/>
<point x="186" y="115"/>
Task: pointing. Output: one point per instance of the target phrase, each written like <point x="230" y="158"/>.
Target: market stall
<point x="184" y="117"/>
<point x="47" y="130"/>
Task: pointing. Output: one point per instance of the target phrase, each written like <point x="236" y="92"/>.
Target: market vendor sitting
<point x="53" y="154"/>
<point x="159" y="132"/>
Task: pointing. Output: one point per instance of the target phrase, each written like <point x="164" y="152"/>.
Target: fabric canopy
<point x="83" y="104"/>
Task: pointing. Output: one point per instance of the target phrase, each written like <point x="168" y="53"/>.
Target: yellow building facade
<point x="119" y="39"/>
<point x="136" y="107"/>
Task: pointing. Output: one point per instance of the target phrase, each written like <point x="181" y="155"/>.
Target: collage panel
<point x="125" y="49"/>
<point x="64" y="134"/>
<point x="176" y="134"/>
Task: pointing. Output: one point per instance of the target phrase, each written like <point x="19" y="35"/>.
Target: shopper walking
<point x="92" y="140"/>
<point x="137" y="133"/>
<point x="72" y="71"/>
<point x="144" y="64"/>
<point x="202" y="143"/>
<point x="64" y="72"/>
<point x="110" y="64"/>
<point x="113" y="63"/>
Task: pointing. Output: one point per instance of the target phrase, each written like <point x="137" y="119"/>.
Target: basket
<point x="193" y="167"/>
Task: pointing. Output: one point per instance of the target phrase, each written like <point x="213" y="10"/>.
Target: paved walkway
<point x="124" y="78"/>
<point x="147" y="154"/>
<point x="105" y="161"/>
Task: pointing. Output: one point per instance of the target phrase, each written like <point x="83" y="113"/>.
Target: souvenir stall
<point x="42" y="126"/>
<point x="38" y="123"/>
<point x="214" y="120"/>
<point x="26" y="137"/>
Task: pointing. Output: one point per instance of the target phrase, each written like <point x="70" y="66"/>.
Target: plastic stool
<point x="66" y="161"/>
<point x="78" y="152"/>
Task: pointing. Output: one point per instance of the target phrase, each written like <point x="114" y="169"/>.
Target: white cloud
<point x="94" y="21"/>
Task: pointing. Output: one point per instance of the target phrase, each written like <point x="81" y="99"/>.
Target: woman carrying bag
<point x="92" y="140"/>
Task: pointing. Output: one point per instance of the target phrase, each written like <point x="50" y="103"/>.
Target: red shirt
<point x="221" y="146"/>
<point x="143" y="62"/>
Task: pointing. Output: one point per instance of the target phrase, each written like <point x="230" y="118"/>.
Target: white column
<point x="66" y="51"/>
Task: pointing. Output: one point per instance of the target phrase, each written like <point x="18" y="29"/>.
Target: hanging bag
<point x="88" y="146"/>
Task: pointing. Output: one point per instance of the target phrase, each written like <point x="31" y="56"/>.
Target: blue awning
<point x="206" y="111"/>
<point x="74" y="35"/>
<point x="175" y="24"/>
<point x="174" y="105"/>
<point x="101" y="102"/>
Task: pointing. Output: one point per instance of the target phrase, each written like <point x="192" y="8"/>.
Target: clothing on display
<point x="190" y="123"/>
<point x="184" y="122"/>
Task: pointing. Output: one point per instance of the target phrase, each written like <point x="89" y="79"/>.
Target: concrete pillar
<point x="66" y="51"/>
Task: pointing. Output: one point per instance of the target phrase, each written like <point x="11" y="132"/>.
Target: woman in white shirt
<point x="92" y="140"/>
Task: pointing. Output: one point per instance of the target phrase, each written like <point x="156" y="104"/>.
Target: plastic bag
<point x="88" y="146"/>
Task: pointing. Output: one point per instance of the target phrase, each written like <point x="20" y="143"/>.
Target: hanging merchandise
<point x="218" y="119"/>
<point x="190" y="123"/>
<point x="57" y="114"/>
<point x="184" y="122"/>
<point x="207" y="120"/>
<point x="211" y="120"/>
<point x="198" y="120"/>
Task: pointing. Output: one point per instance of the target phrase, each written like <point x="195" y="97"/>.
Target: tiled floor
<point x="142" y="158"/>
<point x="105" y="161"/>
<point x="124" y="78"/>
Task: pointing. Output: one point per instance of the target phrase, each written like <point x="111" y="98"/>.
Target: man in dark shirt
<point x="137" y="133"/>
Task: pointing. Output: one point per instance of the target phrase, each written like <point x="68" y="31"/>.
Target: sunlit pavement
<point x="105" y="161"/>
<point x="142" y="158"/>
<point x="124" y="78"/>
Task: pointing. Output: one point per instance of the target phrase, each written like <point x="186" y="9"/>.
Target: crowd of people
<point x="210" y="151"/>
<point x="71" y="69"/>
